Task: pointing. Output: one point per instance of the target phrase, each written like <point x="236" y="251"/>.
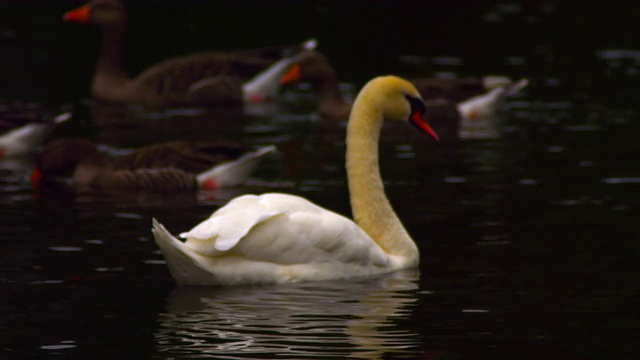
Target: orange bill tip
<point x="81" y="15"/>
<point x="293" y="74"/>
<point x="256" y="98"/>
<point x="209" y="184"/>
<point x="36" y="178"/>
<point x="418" y="120"/>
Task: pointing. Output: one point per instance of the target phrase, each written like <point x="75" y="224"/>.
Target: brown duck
<point x="177" y="165"/>
<point x="446" y="99"/>
<point x="197" y="80"/>
<point x="317" y="70"/>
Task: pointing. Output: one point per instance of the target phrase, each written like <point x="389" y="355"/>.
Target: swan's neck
<point x="110" y="70"/>
<point x="371" y="208"/>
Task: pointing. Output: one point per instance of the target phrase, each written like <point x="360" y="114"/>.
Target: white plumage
<point x="28" y="138"/>
<point x="276" y="238"/>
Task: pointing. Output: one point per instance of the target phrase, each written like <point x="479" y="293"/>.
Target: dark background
<point x="38" y="52"/>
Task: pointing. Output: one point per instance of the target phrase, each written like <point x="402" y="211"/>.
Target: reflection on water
<point x="326" y="319"/>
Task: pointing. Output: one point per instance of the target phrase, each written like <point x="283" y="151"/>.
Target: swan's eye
<point x="417" y="118"/>
<point x="417" y="106"/>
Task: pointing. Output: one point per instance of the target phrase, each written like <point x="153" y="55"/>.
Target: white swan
<point x="278" y="238"/>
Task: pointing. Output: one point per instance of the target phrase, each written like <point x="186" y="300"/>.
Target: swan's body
<point x="198" y="80"/>
<point x="277" y="238"/>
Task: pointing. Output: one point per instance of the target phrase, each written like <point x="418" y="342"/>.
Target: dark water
<point x="530" y="243"/>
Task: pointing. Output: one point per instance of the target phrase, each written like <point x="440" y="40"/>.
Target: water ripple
<point x="336" y="319"/>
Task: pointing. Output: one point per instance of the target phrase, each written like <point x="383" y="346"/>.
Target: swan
<point x="280" y="238"/>
<point x="197" y="80"/>
<point x="176" y="165"/>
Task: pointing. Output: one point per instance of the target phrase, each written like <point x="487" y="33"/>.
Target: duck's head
<point x="398" y="100"/>
<point x="314" y="68"/>
<point x="59" y="159"/>
<point x="104" y="13"/>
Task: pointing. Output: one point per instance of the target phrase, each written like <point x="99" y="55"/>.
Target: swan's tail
<point x="181" y="261"/>
<point x="265" y="85"/>
<point x="233" y="173"/>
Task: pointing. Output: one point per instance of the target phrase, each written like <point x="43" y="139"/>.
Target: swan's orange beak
<point x="292" y="75"/>
<point x="81" y="15"/>
<point x="418" y="119"/>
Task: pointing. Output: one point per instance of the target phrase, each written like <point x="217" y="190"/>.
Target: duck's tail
<point x="181" y="260"/>
<point x="233" y="173"/>
<point x="26" y="139"/>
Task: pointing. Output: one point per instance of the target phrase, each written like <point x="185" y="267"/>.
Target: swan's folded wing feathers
<point x="310" y="237"/>
<point x="283" y="229"/>
<point x="224" y="229"/>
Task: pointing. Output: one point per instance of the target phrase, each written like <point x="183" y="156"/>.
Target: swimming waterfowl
<point x="177" y="165"/>
<point x="452" y="103"/>
<point x="279" y="238"/>
<point x="317" y="70"/>
<point x="27" y="138"/>
<point x="198" y="80"/>
<point x="487" y="104"/>
<point x="481" y="114"/>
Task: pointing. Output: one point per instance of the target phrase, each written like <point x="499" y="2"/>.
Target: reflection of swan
<point x="308" y="320"/>
<point x="276" y="238"/>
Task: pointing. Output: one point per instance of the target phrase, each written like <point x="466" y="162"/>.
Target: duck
<point x="316" y="69"/>
<point x="457" y="89"/>
<point x="170" y="166"/>
<point x="452" y="103"/>
<point x="282" y="238"/>
<point x="486" y="105"/>
<point x="441" y="94"/>
<point x="206" y="79"/>
<point x="26" y="138"/>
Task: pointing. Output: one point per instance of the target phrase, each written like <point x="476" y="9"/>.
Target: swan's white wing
<point x="228" y="225"/>
<point x="310" y="237"/>
<point x="283" y="229"/>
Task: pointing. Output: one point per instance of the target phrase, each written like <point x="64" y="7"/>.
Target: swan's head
<point x="104" y="13"/>
<point x="398" y="100"/>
